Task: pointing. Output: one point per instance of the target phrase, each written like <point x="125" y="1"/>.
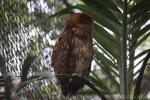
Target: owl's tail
<point x="64" y="82"/>
<point x="70" y="86"/>
<point x="75" y="85"/>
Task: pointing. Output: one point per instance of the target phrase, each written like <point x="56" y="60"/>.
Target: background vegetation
<point x="121" y="31"/>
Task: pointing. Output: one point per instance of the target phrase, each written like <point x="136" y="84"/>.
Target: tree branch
<point x="26" y="66"/>
<point x="123" y="63"/>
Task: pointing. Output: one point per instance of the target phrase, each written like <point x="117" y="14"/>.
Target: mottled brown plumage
<point x="72" y="53"/>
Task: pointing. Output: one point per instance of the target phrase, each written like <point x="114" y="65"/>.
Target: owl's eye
<point x="84" y="19"/>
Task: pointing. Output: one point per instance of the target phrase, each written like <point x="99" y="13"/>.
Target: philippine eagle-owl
<point x="72" y="53"/>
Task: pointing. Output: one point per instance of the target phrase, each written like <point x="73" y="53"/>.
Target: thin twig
<point x="26" y="66"/>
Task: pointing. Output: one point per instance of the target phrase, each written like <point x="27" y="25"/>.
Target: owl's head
<point x="79" y="18"/>
<point x="80" y="24"/>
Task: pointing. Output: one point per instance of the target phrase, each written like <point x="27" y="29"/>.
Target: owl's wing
<point x="60" y="60"/>
<point x="60" y="54"/>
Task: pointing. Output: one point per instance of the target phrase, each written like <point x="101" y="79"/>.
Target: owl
<point x="72" y="53"/>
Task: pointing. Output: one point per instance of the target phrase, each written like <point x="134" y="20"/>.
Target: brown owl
<point x="72" y="53"/>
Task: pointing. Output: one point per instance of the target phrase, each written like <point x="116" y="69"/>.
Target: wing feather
<point x="60" y="59"/>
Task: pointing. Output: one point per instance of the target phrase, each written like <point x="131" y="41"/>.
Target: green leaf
<point x="139" y="15"/>
<point x="108" y="73"/>
<point x="94" y="14"/>
<point x="105" y="52"/>
<point x="107" y="69"/>
<point x="99" y="83"/>
<point x="135" y="67"/>
<point x="142" y="40"/>
<point x="139" y="23"/>
<point x="103" y="11"/>
<point x="141" y="54"/>
<point x="106" y="35"/>
<point x="144" y="4"/>
<point x="140" y="33"/>
<point x="116" y="28"/>
<point x="140" y="76"/>
<point x="108" y="4"/>
<point x="105" y="44"/>
<point x="119" y="3"/>
<point x="105" y="60"/>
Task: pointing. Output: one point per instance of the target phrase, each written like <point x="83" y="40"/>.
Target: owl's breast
<point x="81" y="55"/>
